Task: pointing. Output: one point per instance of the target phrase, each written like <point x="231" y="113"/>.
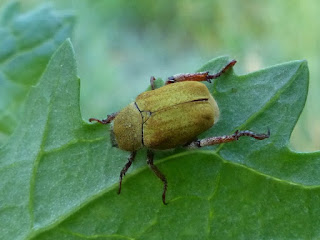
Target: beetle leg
<point x="222" y="71"/>
<point x="201" y="76"/>
<point x="109" y="119"/>
<point x="152" y="79"/>
<point x="227" y="138"/>
<point x="158" y="173"/>
<point x="125" y="168"/>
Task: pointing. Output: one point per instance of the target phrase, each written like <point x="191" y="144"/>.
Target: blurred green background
<point x="119" y="44"/>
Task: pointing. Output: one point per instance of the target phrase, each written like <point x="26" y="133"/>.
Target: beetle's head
<point x="113" y="138"/>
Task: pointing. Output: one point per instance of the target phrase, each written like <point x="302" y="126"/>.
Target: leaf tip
<point x="66" y="46"/>
<point x="215" y="64"/>
<point x="304" y="63"/>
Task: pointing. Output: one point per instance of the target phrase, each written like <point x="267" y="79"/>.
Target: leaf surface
<point x="59" y="174"/>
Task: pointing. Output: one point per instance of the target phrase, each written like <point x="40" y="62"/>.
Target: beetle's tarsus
<point x="258" y="136"/>
<point x="158" y="174"/>
<point x="228" y="66"/>
<point x="125" y="168"/>
<point x="201" y="76"/>
<point x="228" y="138"/>
<point x="164" y="197"/>
<point x="108" y="120"/>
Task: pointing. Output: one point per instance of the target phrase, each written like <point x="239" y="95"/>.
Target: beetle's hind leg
<point x="227" y="138"/>
<point x="201" y="76"/>
<point x="109" y="119"/>
<point x="159" y="174"/>
<point x="125" y="168"/>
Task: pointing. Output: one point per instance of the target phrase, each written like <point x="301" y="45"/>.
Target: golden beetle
<point x="167" y="117"/>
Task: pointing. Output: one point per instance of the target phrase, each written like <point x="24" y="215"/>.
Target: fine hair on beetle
<point x="168" y="117"/>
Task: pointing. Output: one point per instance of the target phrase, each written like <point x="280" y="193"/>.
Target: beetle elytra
<point x="167" y="117"/>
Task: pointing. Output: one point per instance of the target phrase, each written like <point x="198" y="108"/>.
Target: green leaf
<point x="58" y="174"/>
<point x="27" y="42"/>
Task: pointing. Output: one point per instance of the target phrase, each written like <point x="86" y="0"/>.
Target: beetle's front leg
<point x="125" y="168"/>
<point x="105" y="121"/>
<point x="201" y="76"/>
<point x="152" y="79"/>
<point x="159" y="174"/>
<point x="227" y="138"/>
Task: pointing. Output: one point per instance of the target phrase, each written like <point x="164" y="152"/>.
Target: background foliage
<point x="120" y="44"/>
<point x="27" y="42"/>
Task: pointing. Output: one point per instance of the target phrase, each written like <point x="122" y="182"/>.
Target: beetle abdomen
<point x="172" y="121"/>
<point x="177" y="125"/>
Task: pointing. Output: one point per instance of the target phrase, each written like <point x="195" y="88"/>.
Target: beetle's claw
<point x="119" y="190"/>
<point x="164" y="200"/>
<point x="233" y="62"/>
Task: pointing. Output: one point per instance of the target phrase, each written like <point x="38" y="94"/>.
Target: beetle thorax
<point x="127" y="128"/>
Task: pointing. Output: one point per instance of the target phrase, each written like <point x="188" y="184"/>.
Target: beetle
<point x="167" y="117"/>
